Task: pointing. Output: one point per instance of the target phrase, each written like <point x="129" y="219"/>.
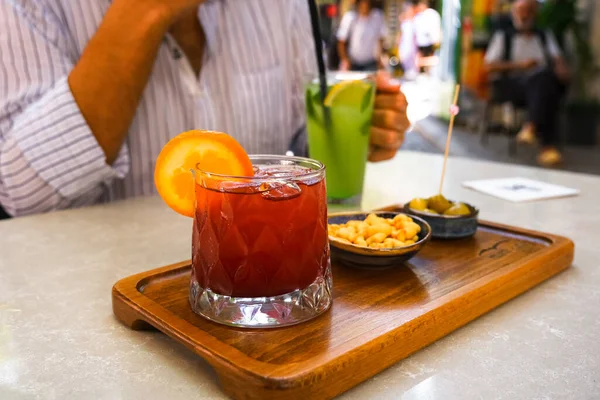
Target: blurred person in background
<point x="407" y="45"/>
<point x="361" y="38"/>
<point x="427" y="24"/>
<point x="91" y="90"/>
<point x="528" y="69"/>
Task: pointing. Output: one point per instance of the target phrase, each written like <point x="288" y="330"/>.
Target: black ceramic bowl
<point x="449" y="226"/>
<point x="365" y="257"/>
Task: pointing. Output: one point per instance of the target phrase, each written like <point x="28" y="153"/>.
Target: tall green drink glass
<point x="341" y="139"/>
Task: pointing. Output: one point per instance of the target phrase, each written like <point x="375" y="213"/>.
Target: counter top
<point x="59" y="339"/>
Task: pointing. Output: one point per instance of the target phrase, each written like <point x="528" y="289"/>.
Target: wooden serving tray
<point x="377" y="318"/>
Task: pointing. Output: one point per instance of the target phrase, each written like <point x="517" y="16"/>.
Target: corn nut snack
<point x="376" y="232"/>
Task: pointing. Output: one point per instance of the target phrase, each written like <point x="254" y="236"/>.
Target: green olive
<point x="418" y="204"/>
<point x="428" y="211"/>
<point x="439" y="203"/>
<point x="458" y="209"/>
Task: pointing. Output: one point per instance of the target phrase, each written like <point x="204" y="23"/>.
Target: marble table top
<point x="59" y="339"/>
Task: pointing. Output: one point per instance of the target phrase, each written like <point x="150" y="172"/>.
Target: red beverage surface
<point x="254" y="241"/>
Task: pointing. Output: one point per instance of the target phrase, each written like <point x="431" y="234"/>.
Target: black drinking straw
<point x="316" y="31"/>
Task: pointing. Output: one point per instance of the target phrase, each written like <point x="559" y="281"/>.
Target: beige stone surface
<point x="59" y="339"/>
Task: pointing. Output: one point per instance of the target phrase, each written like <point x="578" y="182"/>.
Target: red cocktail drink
<point x="260" y="247"/>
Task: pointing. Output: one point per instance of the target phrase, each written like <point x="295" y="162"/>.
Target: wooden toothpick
<point x="453" y="112"/>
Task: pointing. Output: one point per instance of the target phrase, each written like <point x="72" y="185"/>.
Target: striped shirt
<point x="258" y="54"/>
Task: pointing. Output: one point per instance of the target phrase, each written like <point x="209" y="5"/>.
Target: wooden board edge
<point x="139" y="312"/>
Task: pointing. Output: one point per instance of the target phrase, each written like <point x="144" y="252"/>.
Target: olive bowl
<point x="448" y="226"/>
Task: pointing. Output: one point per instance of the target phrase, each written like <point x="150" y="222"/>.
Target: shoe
<point x="549" y="157"/>
<point x="526" y="135"/>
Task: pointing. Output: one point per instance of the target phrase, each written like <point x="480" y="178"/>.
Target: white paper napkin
<point x="520" y="189"/>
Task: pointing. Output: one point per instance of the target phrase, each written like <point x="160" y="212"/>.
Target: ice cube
<point x="287" y="168"/>
<point x="279" y="190"/>
<point x="240" y="187"/>
<point x="309" y="181"/>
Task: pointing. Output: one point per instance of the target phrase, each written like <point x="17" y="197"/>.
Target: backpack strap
<point x="543" y="36"/>
<point x="509" y="34"/>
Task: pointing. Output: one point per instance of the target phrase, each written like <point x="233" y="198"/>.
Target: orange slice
<point x="209" y="151"/>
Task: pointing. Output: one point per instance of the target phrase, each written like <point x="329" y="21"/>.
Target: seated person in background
<point x="529" y="70"/>
<point x="360" y="38"/>
<point x="93" y="89"/>
<point x="428" y="33"/>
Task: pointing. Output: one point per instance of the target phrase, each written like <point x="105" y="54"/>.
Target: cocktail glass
<point x="260" y="250"/>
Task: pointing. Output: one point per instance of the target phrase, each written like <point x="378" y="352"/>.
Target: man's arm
<point x="383" y="57"/>
<point x="344" y="58"/>
<point x="108" y="80"/>
<point x="60" y="123"/>
<point x="343" y="35"/>
<point x="561" y="68"/>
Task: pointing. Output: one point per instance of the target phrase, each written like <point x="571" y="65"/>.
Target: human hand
<point x="528" y="64"/>
<point x="383" y="61"/>
<point x="562" y="70"/>
<point x="345" y="65"/>
<point x="390" y="121"/>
